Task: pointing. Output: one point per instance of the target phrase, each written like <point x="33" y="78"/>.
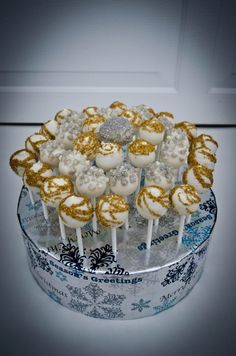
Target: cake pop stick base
<point x="45" y="211"/>
<point x="31" y="195"/>
<point x="80" y="241"/>
<point x="62" y="229"/>
<point x="180" y="232"/>
<point x="149" y="234"/>
<point x="114" y="241"/>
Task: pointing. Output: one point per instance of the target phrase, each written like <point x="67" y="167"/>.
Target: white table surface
<point x="201" y="324"/>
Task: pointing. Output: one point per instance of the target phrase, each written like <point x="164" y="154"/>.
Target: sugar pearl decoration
<point x="158" y="173"/>
<point x="87" y="144"/>
<point x="71" y="162"/>
<point x="141" y="153"/>
<point x="112" y="210"/>
<point x="20" y="160"/>
<point x="34" y="142"/>
<point x="75" y="211"/>
<point x="109" y="156"/>
<point x="35" y="175"/>
<point x="187" y="127"/>
<point x="205" y="141"/>
<point x="50" y="152"/>
<point x="50" y="128"/>
<point x="174" y="150"/>
<point x="54" y="189"/>
<point x="91" y="182"/>
<point x="185" y="199"/>
<point x="202" y="156"/>
<point x="124" y="179"/>
<point x="68" y="131"/>
<point x="152" y="202"/>
<point x="152" y="130"/>
<point x="199" y="177"/>
<point x="117" y="130"/>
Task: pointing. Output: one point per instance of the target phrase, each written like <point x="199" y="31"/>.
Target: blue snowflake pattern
<point x="166" y="304"/>
<point x="95" y="302"/>
<point x="141" y="305"/>
<point x="54" y="296"/>
<point x="196" y="235"/>
<point x="61" y="276"/>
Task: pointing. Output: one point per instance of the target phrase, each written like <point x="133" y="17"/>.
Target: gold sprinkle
<point x="199" y="173"/>
<point x="82" y="211"/>
<point x="202" y="139"/>
<point x="93" y="121"/>
<point x="134" y="117"/>
<point x="36" y="179"/>
<point x="141" y="147"/>
<point x="87" y="143"/>
<point x="146" y="193"/>
<point x="187" y="127"/>
<point x="115" y="204"/>
<point x="165" y="113"/>
<point x="118" y="105"/>
<point x="16" y="163"/>
<point x="153" y="125"/>
<point x="108" y="148"/>
<point x="205" y="152"/>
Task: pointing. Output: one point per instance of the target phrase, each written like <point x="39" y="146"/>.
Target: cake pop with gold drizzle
<point x="202" y="156"/>
<point x="200" y="177"/>
<point x="34" y="142"/>
<point x="87" y="144"/>
<point x="152" y="202"/>
<point x="166" y="119"/>
<point x="153" y="131"/>
<point x="117" y="108"/>
<point x="146" y="112"/>
<point x="109" y="155"/>
<point x="205" y="141"/>
<point x="90" y="111"/>
<point x="76" y="211"/>
<point x="185" y="200"/>
<point x="189" y="128"/>
<point x="20" y="160"/>
<point x="93" y="123"/>
<point x="49" y="129"/>
<point x="134" y="118"/>
<point x="112" y="211"/>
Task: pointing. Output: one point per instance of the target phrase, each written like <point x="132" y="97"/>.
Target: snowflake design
<point x="37" y="260"/>
<point x="190" y="271"/>
<point x="61" y="276"/>
<point x="209" y="205"/>
<point x="196" y="235"/>
<point x="101" y="257"/>
<point x="166" y="304"/>
<point x="95" y="302"/>
<point x="54" y="296"/>
<point x="118" y="270"/>
<point x="141" y="305"/>
<point x="70" y="257"/>
<point x="174" y="274"/>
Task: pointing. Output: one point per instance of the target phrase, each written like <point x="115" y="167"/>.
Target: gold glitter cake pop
<point x="49" y="129"/>
<point x="93" y="123"/>
<point x="205" y="141"/>
<point x="87" y="144"/>
<point x="112" y="210"/>
<point x="189" y="128"/>
<point x="152" y="130"/>
<point x="54" y="189"/>
<point x="203" y="156"/>
<point x="134" y="118"/>
<point x="34" y="142"/>
<point x="200" y="177"/>
<point x="20" y="160"/>
<point x="90" y="111"/>
<point x="35" y="175"/>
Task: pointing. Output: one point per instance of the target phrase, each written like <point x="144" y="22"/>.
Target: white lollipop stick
<point x="188" y="218"/>
<point x="31" y="196"/>
<point x="45" y="210"/>
<point x="94" y="221"/>
<point x="62" y="229"/>
<point x="80" y="241"/>
<point x="158" y="152"/>
<point x="113" y="240"/>
<point x="139" y="181"/>
<point x="127" y="220"/>
<point x="156" y="223"/>
<point x="149" y="234"/>
<point x="181" y="230"/>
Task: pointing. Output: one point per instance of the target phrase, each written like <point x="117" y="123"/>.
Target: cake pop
<point x="90" y="111"/>
<point x="187" y="127"/>
<point x="134" y="118"/>
<point x="112" y="212"/>
<point x="185" y="200"/>
<point x="75" y="212"/>
<point x="20" y="160"/>
<point x="91" y="182"/>
<point x="200" y="177"/>
<point x="166" y="119"/>
<point x="34" y="142"/>
<point x="153" y="131"/>
<point x="145" y="111"/>
<point x="34" y="177"/>
<point x="93" y="123"/>
<point x="68" y="131"/>
<point x="141" y="153"/>
<point x="116" y="130"/>
<point x="66" y="114"/>
<point x="87" y="144"/>
<point x="203" y="156"/>
<point x="158" y="173"/>
<point x="50" y="152"/>
<point x="50" y="129"/>
<point x="71" y="162"/>
<point x="205" y="141"/>
<point x="118" y="107"/>
<point x="109" y="155"/>
<point x="152" y="202"/>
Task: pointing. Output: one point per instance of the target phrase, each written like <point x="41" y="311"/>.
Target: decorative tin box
<point x="140" y="283"/>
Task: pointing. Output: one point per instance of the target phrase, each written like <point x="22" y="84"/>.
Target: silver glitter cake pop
<point x="68" y="130"/>
<point x="116" y="130"/>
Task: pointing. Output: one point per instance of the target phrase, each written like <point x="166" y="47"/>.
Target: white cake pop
<point x="93" y="123"/>
<point x="187" y="127"/>
<point x="91" y="182"/>
<point x="205" y="141"/>
<point x="117" y="108"/>
<point x="71" y="162"/>
<point x="174" y="149"/>
<point x="158" y="173"/>
<point x="202" y="156"/>
<point x="20" y="160"/>
<point x="68" y="131"/>
<point x="50" y="129"/>
<point x="90" y="111"/>
<point x="34" y="142"/>
<point x="66" y="114"/>
<point x="185" y="199"/>
<point x="145" y="111"/>
<point x="141" y="153"/>
<point x="109" y="155"/>
<point x="134" y="118"/>
<point x="54" y="189"/>
<point x="199" y="177"/>
<point x="87" y="144"/>
<point x="124" y="179"/>
<point x="166" y="119"/>
<point x="153" y="131"/>
<point x="152" y="202"/>
<point x="35" y="175"/>
<point x="50" y="152"/>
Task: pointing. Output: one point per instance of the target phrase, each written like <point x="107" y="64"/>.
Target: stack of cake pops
<point x="86" y="164"/>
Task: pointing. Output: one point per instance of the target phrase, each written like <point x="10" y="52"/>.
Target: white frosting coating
<point x="72" y="162"/>
<point x="93" y="123"/>
<point x="141" y="161"/>
<point x="109" y="156"/>
<point x="206" y="141"/>
<point x="68" y="131"/>
<point x="185" y="199"/>
<point x="175" y="148"/>
<point x="90" y="111"/>
<point x="91" y="182"/>
<point x="160" y="174"/>
<point x="152" y="202"/>
<point x="50" y="152"/>
<point x="81" y="209"/>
